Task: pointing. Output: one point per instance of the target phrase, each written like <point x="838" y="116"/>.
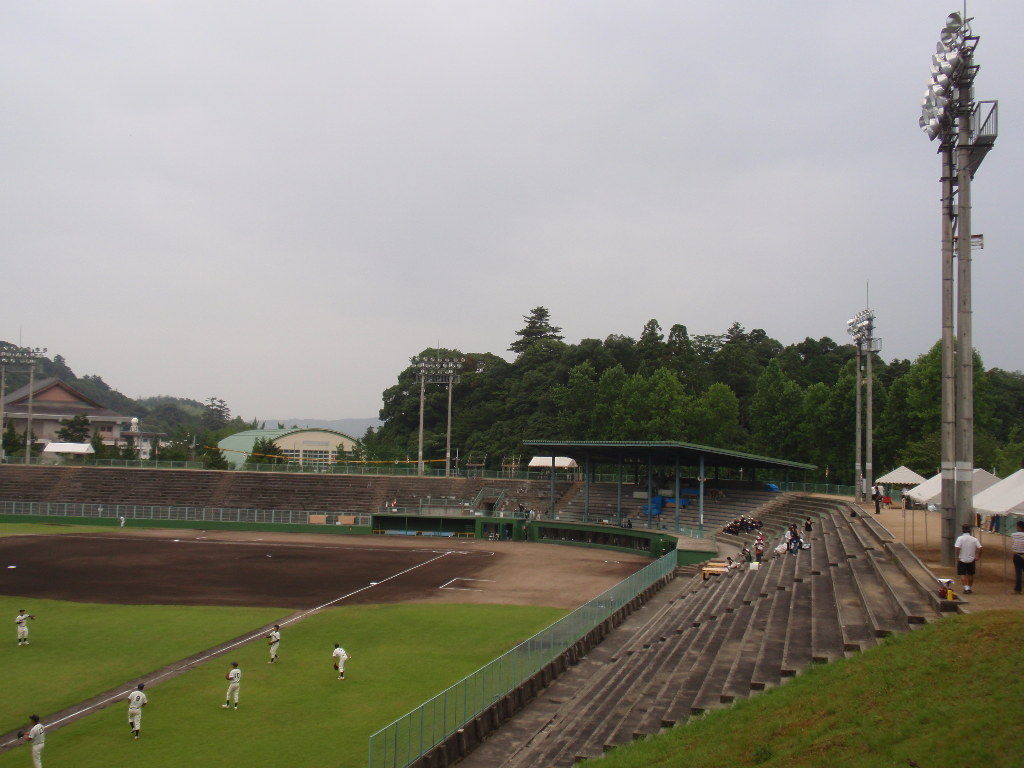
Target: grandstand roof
<point x="662" y="451"/>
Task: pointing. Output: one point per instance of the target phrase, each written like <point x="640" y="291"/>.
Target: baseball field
<point x="174" y="608"/>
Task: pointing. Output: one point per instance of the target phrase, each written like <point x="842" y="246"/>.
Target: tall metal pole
<point x="419" y="450"/>
<point x="869" y="426"/>
<point x="618" y="493"/>
<point x="965" y="346"/>
<point x="28" y="428"/>
<point x="858" y="465"/>
<point x="948" y="463"/>
<point x="3" y="394"/>
<point x="448" y="438"/>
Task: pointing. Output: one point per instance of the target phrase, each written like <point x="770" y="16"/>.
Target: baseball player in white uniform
<point x="340" y="657"/>
<point x="274" y="640"/>
<point x="36" y="736"/>
<point x="21" y="620"/>
<point x="234" y="678"/>
<point x="136" y="701"/>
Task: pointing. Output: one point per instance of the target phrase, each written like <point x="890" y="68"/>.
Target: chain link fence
<point x="411" y="736"/>
<point x="159" y="512"/>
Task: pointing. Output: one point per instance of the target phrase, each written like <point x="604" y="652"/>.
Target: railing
<point x="159" y="512"/>
<point x="830" y="489"/>
<point x="414" y="734"/>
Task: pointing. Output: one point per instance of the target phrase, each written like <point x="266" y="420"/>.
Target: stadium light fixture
<point x="950" y="115"/>
<point x="437" y="370"/>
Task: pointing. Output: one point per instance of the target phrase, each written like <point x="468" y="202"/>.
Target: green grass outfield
<point x="296" y="714"/>
<point x="950" y="694"/>
<point x="79" y="650"/>
<point x="12" y="529"/>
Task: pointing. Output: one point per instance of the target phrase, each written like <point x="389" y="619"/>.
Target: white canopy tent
<point x="901" y="476"/>
<point x="1004" y="498"/>
<point x="930" y="491"/>
<point x="544" y="462"/>
<point x="78" y="449"/>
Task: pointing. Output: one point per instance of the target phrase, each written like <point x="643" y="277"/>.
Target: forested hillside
<point x="740" y="389"/>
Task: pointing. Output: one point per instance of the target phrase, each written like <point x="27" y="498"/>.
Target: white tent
<point x="930" y="491"/>
<point x="544" y="462"/>
<point x="72" y="448"/>
<point x="1005" y="497"/>
<point x="901" y="476"/>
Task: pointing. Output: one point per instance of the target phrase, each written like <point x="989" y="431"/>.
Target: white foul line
<point x="248" y="638"/>
<point x="464" y="589"/>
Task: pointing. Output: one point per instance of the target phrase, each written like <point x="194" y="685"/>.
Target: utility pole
<point x="948" y="434"/>
<point x="439" y="370"/>
<point x="858" y="494"/>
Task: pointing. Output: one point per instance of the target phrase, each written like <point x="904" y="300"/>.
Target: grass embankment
<point x="948" y="695"/>
<point x="79" y="650"/>
<point x="13" y="529"/>
<point x="296" y="713"/>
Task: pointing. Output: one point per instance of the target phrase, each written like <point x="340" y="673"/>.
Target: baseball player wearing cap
<point x="136" y="701"/>
<point x="234" y="678"/>
<point x="340" y="657"/>
<point x="274" y="640"/>
<point x="21" y="620"/>
<point x="36" y="736"/>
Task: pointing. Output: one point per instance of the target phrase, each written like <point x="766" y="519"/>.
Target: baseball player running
<point x="21" y="620"/>
<point x="274" y="640"/>
<point x="36" y="736"/>
<point x="340" y="657"/>
<point x="234" y="678"/>
<point x="136" y="701"/>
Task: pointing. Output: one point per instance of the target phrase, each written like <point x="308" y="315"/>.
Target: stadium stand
<point x="258" y="490"/>
<point x="718" y="640"/>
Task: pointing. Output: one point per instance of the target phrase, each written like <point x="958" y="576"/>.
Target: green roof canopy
<point x="660" y="452"/>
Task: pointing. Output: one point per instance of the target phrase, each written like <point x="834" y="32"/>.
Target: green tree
<point x="13" y="442"/>
<point x="74" y="430"/>
<point x="775" y="412"/>
<point x="265" y="451"/>
<point x="213" y="458"/>
<point x="538" y="326"/>
<point x="216" y="414"/>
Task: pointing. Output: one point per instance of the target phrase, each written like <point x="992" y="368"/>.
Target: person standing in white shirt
<point x="968" y="553"/>
<point x="36" y="736"/>
<point x="234" y="678"/>
<point x="1017" y="541"/>
<point x="340" y="657"/>
<point x="274" y="640"/>
<point x="21" y="620"/>
<point x="136" y="701"/>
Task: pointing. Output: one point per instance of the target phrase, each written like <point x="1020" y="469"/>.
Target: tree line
<point x="739" y="390"/>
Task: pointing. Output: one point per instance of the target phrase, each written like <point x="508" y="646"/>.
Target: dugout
<point x="457" y="526"/>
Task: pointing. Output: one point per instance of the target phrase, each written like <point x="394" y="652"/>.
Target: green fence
<point x="160" y="512"/>
<point x="830" y="489"/>
<point x="413" y="735"/>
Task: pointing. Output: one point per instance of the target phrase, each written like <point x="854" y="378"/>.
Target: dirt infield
<point x="187" y="567"/>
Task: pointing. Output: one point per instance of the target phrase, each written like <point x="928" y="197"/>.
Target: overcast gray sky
<point x="278" y="203"/>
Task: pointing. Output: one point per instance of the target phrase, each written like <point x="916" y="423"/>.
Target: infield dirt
<point x="188" y="567"/>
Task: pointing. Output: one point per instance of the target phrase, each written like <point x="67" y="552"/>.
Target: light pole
<point x="437" y="370"/>
<point x="862" y="327"/>
<point x="966" y="131"/>
<point x="18" y="356"/>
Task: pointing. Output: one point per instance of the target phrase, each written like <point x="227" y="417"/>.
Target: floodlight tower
<point x="862" y="327"/>
<point x="966" y="131"/>
<point x="437" y="370"/>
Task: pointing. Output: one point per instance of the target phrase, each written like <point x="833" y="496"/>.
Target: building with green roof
<point x="308" y="445"/>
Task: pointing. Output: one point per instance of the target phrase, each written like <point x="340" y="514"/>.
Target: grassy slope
<point x="79" y="650"/>
<point x="296" y="713"/>
<point x="948" y="695"/>
<point x="11" y="529"/>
